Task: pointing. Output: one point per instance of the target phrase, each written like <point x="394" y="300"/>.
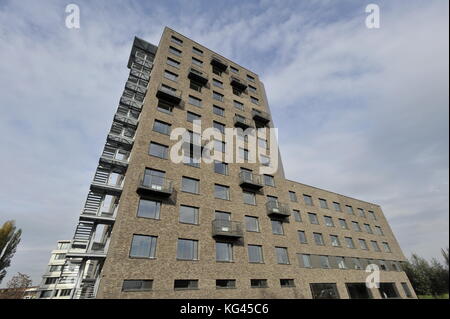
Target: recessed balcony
<point x="168" y="94"/>
<point x="219" y="63"/>
<point x="227" y="229"/>
<point x="155" y="185"/>
<point x="238" y="83"/>
<point x="198" y="76"/>
<point x="277" y="209"/>
<point x="242" y="122"/>
<point x="261" y="116"/>
<point x="250" y="180"/>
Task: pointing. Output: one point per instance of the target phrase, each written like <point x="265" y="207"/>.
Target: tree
<point x="16" y="286"/>
<point x="418" y="270"/>
<point x="9" y="239"/>
<point x="438" y="278"/>
<point x="445" y="255"/>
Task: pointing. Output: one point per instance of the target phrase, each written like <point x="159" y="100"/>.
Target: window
<point x="349" y="242"/>
<point x="218" y="110"/>
<point x="328" y="221"/>
<point x="363" y="244"/>
<point x="233" y="69"/>
<point x="323" y="203"/>
<point x="175" y="51"/>
<point x="197" y="61"/>
<point x="313" y="218"/>
<point x="318" y="239"/>
<point x="143" y="246"/>
<point x="297" y="215"/>
<point x="216" y="70"/>
<point x="277" y="227"/>
<point x="158" y="150"/>
<point x="181" y="284"/>
<point x="358" y="291"/>
<point x="282" y="255"/>
<point x="378" y="230"/>
<point x="161" y="127"/>
<point x="191" y="117"/>
<point x="269" y="181"/>
<point x="137" y="285"/>
<point x="361" y="212"/>
<point x="46" y="293"/>
<point x="220" y="168"/>
<point x="218" y="83"/>
<point x="51" y="280"/>
<point x="170" y="75"/>
<point x="308" y="200"/>
<point x="388" y="290"/>
<point x="305" y="260"/>
<point x="243" y="153"/>
<point x="225" y="283"/>
<point x="219" y="215"/>
<point x="255" y="254"/>
<point x="386" y="247"/>
<point x="337" y="207"/>
<point x="324" y="262"/>
<point x="341" y="263"/>
<point x="197" y="51"/>
<point x="302" y="237"/>
<point x="217" y="96"/>
<point x="165" y="107"/>
<point x="406" y="290"/>
<point x="65" y="292"/>
<point x="368" y="228"/>
<point x="356" y="263"/>
<point x="264" y="160"/>
<point x="224" y="251"/>
<point x="249" y="198"/>
<point x="335" y="241"/>
<point x="59" y="256"/>
<point x="349" y="209"/>
<point x="252" y="223"/>
<point x="176" y="40"/>
<point x="254" y="100"/>
<point x="173" y="62"/>
<point x="383" y="265"/>
<point x="195" y="101"/>
<point x="219" y="126"/>
<point x="258" y="283"/>
<point x="356" y="226"/>
<point x="187" y="249"/>
<point x="372" y="215"/>
<point x="262" y="144"/>
<point x="222" y="192"/>
<point x="292" y="196"/>
<point x="343" y="223"/>
<point x="196" y="86"/>
<point x="149" y="209"/>
<point x="238" y="105"/>
<point x="190" y="185"/>
<point x="250" y="78"/>
<point x="252" y="89"/>
<point x="54" y="268"/>
<point x="219" y="146"/>
<point x="188" y="215"/>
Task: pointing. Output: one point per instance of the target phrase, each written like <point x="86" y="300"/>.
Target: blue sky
<point x="361" y="112"/>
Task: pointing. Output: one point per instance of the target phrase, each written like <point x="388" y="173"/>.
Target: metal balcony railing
<point x="250" y="180"/>
<point x="261" y="116"/>
<point x="169" y="94"/>
<point x="198" y="76"/>
<point x="276" y="208"/>
<point x="227" y="228"/>
<point x="219" y="63"/>
<point x="156" y="185"/>
<point x="131" y="102"/>
<point x="240" y="121"/>
<point x="126" y="119"/>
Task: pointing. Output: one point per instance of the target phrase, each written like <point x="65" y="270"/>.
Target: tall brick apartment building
<point x="152" y="228"/>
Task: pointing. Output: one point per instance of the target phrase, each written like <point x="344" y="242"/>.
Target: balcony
<point x="136" y="87"/>
<point x="277" y="209"/>
<point x="100" y="216"/>
<point x="155" y="185"/>
<point x="261" y="116"/>
<point x="219" y="63"/>
<point x="168" y="94"/>
<point x="250" y="180"/>
<point x="227" y="229"/>
<point x="242" y="122"/>
<point x="238" y="83"/>
<point x="124" y="119"/>
<point x="120" y="139"/>
<point x="131" y="103"/>
<point x="198" y="76"/>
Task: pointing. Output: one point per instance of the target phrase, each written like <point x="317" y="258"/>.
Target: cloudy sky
<point x="362" y="112"/>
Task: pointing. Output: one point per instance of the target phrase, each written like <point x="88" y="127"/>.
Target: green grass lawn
<point x="444" y="296"/>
